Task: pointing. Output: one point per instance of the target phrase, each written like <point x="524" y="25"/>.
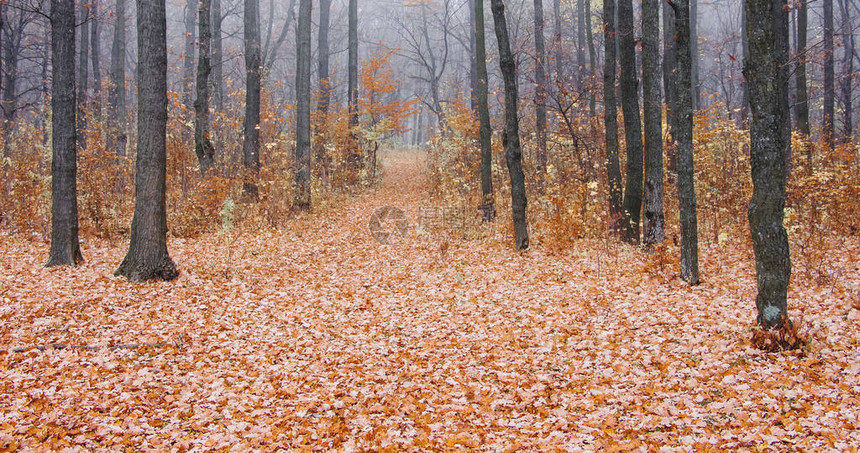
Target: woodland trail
<point x="318" y="337"/>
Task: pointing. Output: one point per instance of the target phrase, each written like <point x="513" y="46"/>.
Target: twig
<point x="59" y="346"/>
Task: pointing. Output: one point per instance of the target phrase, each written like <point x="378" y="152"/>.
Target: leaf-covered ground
<point x="320" y="338"/>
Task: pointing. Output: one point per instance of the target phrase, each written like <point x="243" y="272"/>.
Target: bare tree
<point x="632" y="126"/>
<point x="65" y="247"/>
<point x="767" y="76"/>
<point x="610" y="117"/>
<point x="147" y="257"/>
<point x="829" y="82"/>
<point x="302" y="199"/>
<point x="653" y="127"/>
<point x="540" y="94"/>
<point x="188" y="55"/>
<point x="117" y="137"/>
<point x="488" y="203"/>
<point x="511" y="134"/>
<point x="202" y="145"/>
<point x="802" y="102"/>
<point x="251" y="143"/>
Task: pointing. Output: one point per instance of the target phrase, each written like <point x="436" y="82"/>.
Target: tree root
<point x="59" y="346"/>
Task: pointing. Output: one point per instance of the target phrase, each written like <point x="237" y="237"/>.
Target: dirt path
<point x="319" y="337"/>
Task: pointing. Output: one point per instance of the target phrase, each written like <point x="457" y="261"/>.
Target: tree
<point x="95" y="48"/>
<point x="251" y="126"/>
<point x="511" y="134"/>
<point x="767" y="75"/>
<point x="352" y="66"/>
<point x="802" y="101"/>
<point x="683" y="96"/>
<point x="217" y="77"/>
<point x="540" y="94"/>
<point x="632" y="127"/>
<point x="847" y="70"/>
<point x="302" y="200"/>
<point x="610" y="117"/>
<point x="83" y="73"/>
<point x="488" y="203"/>
<point x="147" y="257"/>
<point x="117" y="138"/>
<point x="829" y="83"/>
<point x="188" y="55"/>
<point x="202" y="145"/>
<point x="65" y="247"/>
<point x="653" y="124"/>
<point x="323" y="60"/>
<point x="668" y="73"/>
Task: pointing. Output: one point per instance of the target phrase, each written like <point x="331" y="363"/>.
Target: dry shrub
<point x="786" y="337"/>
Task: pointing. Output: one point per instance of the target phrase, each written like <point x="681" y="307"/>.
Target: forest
<point x="429" y="225"/>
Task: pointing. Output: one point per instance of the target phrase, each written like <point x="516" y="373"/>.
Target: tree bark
<point x="592" y="59"/>
<point x="684" y="138"/>
<point x="488" y="198"/>
<point x="580" y="42"/>
<point x="188" y="55"/>
<point x="800" y="72"/>
<point x="669" y="75"/>
<point x="83" y="74"/>
<point x="202" y="145"/>
<point x="324" y="51"/>
<point x="65" y="247"/>
<point x="610" y="118"/>
<point x="694" y="50"/>
<point x="217" y="59"/>
<point x="95" y="47"/>
<point x="653" y="123"/>
<point x="767" y="74"/>
<point x="540" y="95"/>
<point x="251" y="143"/>
<point x="117" y="138"/>
<point x="511" y="135"/>
<point x="847" y="71"/>
<point x="352" y="83"/>
<point x="632" y="126"/>
<point x="302" y="200"/>
<point x="829" y="83"/>
<point x="147" y="257"/>
<point x="473" y="64"/>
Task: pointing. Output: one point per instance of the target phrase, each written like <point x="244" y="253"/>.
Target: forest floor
<point x="318" y="337"/>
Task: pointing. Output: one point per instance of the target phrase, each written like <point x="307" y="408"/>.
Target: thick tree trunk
<point x="302" y="200"/>
<point x="829" y="84"/>
<point x="540" y="95"/>
<point x="217" y="59"/>
<point x="610" y="118"/>
<point x="669" y="75"/>
<point x="83" y="74"/>
<point x="202" y="145"/>
<point x="65" y="247"/>
<point x="117" y="138"/>
<point x="251" y="143"/>
<point x="767" y="74"/>
<point x="632" y="126"/>
<point x="800" y="71"/>
<point x="684" y="138"/>
<point x="188" y="55"/>
<point x="488" y="198"/>
<point x="511" y="135"/>
<point x="147" y="257"/>
<point x="653" y="123"/>
<point x="694" y="50"/>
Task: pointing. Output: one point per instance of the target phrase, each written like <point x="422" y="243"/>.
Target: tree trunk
<point x="202" y="145"/>
<point x="800" y="72"/>
<point x="745" y="49"/>
<point x="251" y="143"/>
<point x="147" y="257"/>
<point x="847" y="70"/>
<point x="488" y="198"/>
<point x="767" y="74"/>
<point x="580" y="41"/>
<point x="473" y="64"/>
<point x="592" y="59"/>
<point x="610" y="118"/>
<point x="694" y="50"/>
<point x="324" y="50"/>
<point x="95" y="46"/>
<point x="829" y="84"/>
<point x="352" y="83"/>
<point x="684" y="139"/>
<point x="511" y="134"/>
<point x="540" y="95"/>
<point x="669" y="77"/>
<point x="217" y="76"/>
<point x="302" y="200"/>
<point x="632" y="126"/>
<point x="559" y="51"/>
<point x="188" y="56"/>
<point x="270" y="54"/>
<point x="11" y="54"/>
<point x="117" y="138"/>
<point x="653" y="123"/>
<point x="65" y="247"/>
<point x="83" y="74"/>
